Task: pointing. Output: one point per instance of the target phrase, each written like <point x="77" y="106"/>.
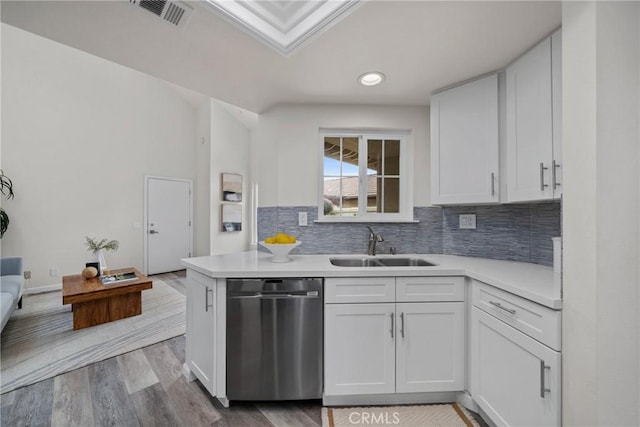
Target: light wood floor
<point x="143" y="388"/>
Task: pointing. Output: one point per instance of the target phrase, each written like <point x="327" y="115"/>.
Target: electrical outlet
<point x="27" y="274"/>
<point x="302" y="219"/>
<point x="468" y="221"/>
<point x="53" y="272"/>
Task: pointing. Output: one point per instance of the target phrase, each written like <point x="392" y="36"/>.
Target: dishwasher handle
<point x="277" y="295"/>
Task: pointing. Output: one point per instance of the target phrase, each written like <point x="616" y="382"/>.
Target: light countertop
<point x="531" y="281"/>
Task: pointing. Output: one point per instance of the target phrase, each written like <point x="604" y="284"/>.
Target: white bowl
<point x="280" y="251"/>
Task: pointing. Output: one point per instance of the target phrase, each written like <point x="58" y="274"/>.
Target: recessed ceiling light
<point x="371" y="78"/>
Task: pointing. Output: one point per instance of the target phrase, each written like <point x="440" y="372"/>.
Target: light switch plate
<point x="302" y="219"/>
<point x="468" y="221"/>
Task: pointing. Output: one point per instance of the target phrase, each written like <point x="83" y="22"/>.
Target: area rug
<point x="441" y="415"/>
<point x="39" y="342"/>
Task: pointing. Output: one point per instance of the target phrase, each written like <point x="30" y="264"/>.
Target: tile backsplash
<point x="424" y="236"/>
<point x="519" y="232"/>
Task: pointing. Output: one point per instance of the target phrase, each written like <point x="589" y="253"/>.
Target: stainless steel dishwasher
<point x="274" y="339"/>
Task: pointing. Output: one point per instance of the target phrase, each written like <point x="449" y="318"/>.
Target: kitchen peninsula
<point x="478" y="323"/>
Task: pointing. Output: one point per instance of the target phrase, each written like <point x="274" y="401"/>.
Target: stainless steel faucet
<point x="373" y="240"/>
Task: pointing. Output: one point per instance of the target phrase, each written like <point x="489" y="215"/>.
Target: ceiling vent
<point x="172" y="12"/>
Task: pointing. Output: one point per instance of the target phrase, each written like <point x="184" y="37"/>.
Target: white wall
<point x="285" y="146"/>
<point x="78" y="134"/>
<point x="230" y="141"/>
<point x="601" y="207"/>
<point x="203" y="181"/>
<point x="618" y="315"/>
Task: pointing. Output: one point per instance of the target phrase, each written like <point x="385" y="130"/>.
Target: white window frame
<point x="406" y="175"/>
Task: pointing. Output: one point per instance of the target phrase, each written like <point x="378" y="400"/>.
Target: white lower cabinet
<point x="200" y="347"/>
<point x="515" y="379"/>
<point x="359" y="349"/>
<point x="394" y="347"/>
<point x="430" y="347"/>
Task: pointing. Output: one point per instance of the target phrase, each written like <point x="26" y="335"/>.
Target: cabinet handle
<point x="206" y="299"/>
<point x="493" y="184"/>
<point x="392" y="322"/>
<point x="497" y="304"/>
<point x="542" y="184"/>
<point x="543" y="368"/>
<point x="402" y="325"/>
<point x="554" y="167"/>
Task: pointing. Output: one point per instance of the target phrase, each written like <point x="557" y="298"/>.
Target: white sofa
<point x="11" y="286"/>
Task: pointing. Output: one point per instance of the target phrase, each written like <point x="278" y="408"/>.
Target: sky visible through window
<point x="332" y="169"/>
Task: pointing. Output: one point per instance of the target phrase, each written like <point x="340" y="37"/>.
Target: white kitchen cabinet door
<point x="359" y="349"/>
<point x="556" y="82"/>
<point x="200" y="349"/>
<point x="515" y="379"/>
<point x="464" y="143"/>
<point x="430" y="347"/>
<point x="529" y="126"/>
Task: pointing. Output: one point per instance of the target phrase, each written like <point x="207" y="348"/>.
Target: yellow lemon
<point x="282" y="238"/>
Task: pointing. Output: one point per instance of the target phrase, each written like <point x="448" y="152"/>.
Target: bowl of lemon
<point x="280" y="245"/>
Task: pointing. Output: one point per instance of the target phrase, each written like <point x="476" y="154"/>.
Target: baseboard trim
<point x="42" y="289"/>
<point x="467" y="401"/>
<point x="391" y="399"/>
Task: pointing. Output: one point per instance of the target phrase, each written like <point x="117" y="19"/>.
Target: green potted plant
<point x="98" y="247"/>
<point x="6" y="187"/>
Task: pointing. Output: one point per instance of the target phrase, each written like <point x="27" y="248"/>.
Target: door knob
<point x="153" y="232"/>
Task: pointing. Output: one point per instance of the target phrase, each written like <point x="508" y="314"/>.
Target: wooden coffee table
<point x="93" y="303"/>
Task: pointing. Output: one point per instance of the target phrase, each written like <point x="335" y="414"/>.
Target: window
<point x="365" y="177"/>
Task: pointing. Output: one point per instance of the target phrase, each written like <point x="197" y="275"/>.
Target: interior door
<point x="167" y="224"/>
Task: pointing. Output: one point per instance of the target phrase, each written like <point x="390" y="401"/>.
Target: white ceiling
<point x="421" y="46"/>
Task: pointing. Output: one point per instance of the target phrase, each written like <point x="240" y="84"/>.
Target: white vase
<point x="99" y="256"/>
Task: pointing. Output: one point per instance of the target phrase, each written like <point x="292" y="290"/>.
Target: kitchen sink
<point x="356" y="262"/>
<point x="380" y="262"/>
<point x="405" y="262"/>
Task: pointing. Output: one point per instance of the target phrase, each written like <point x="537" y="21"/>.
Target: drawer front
<point x="359" y="289"/>
<point x="530" y="318"/>
<point x="427" y="289"/>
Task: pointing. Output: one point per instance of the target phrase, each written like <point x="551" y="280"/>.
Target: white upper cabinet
<point x="556" y="86"/>
<point x="464" y="143"/>
<point x="534" y="123"/>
